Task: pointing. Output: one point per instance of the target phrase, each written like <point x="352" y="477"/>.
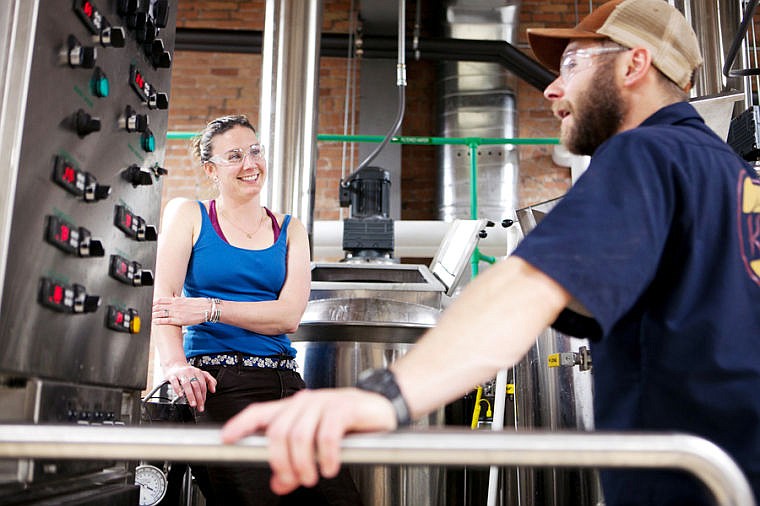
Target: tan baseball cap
<point x="653" y="24"/>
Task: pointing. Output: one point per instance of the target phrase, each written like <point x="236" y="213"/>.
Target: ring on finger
<point x="193" y="379"/>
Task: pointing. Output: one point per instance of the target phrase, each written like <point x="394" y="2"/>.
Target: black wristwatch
<point x="383" y="382"/>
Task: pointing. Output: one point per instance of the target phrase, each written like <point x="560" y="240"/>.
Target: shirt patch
<point x="749" y="225"/>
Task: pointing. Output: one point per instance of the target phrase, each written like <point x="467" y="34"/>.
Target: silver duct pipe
<point x="478" y="100"/>
<point x="288" y="110"/>
<point x="716" y="23"/>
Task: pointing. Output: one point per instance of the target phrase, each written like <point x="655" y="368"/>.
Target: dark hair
<point x="201" y="143"/>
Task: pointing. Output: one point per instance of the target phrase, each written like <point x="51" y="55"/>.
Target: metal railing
<point x="703" y="459"/>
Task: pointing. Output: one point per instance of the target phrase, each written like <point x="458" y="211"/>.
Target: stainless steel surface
<point x="716" y="23"/>
<point x="363" y="316"/>
<point x="555" y="398"/>
<point x="18" y="29"/>
<point x="366" y="319"/>
<point x="454" y="254"/>
<point x="717" y="110"/>
<point x="61" y="363"/>
<point x="408" y="283"/>
<point x="333" y="357"/>
<point x="478" y="100"/>
<point x="698" y="456"/>
<point x="45" y="402"/>
<point x="38" y="341"/>
<point x="288" y="114"/>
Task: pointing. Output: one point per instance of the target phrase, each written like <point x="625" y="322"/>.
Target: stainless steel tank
<point x="553" y="391"/>
<point x="367" y="315"/>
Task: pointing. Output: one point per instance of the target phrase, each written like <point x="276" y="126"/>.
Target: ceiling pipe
<point x="336" y="45"/>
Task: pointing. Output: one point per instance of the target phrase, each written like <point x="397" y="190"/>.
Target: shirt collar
<point x="674" y="113"/>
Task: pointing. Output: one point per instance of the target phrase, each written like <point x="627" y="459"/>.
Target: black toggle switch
<point x="128" y="6"/>
<point x="158" y="55"/>
<point x="145" y="28"/>
<point x="94" y="191"/>
<point x="149" y="233"/>
<point x="159" y="171"/>
<point x="91" y="303"/>
<point x="482" y="234"/>
<point x="132" y="225"/>
<point x="144" y="278"/>
<point x="133" y="122"/>
<point x="161" y="13"/>
<point x="91" y="248"/>
<point x="85" y="123"/>
<point x="138" y="176"/>
<point x="71" y="239"/>
<point x="111" y="36"/>
<point x="506" y="223"/>
<point x="84" y="303"/>
<point x="77" y="55"/>
<point x="158" y="101"/>
<point x="128" y="272"/>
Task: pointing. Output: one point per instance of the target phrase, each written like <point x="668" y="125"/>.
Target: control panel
<point x="86" y="175"/>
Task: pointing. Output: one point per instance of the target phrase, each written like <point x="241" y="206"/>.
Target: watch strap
<point x="383" y="382"/>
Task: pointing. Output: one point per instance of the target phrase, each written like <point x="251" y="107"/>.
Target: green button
<point x="100" y="86"/>
<point x="148" y="142"/>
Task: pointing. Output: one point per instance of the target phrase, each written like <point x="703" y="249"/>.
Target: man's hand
<point x="305" y="431"/>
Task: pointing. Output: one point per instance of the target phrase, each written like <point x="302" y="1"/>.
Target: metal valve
<point x="570" y="359"/>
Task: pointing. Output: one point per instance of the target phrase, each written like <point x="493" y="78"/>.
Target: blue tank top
<point x="218" y="269"/>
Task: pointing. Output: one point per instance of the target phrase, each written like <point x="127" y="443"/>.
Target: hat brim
<point x="548" y="44"/>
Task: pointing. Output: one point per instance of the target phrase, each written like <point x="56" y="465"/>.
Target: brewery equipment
<point x="82" y="129"/>
<point x="364" y="315"/>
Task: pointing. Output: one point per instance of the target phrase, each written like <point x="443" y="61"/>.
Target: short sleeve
<point x="603" y="241"/>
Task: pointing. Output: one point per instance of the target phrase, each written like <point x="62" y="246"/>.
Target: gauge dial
<point x="152" y="482"/>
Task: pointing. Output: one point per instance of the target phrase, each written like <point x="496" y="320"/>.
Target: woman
<point x="236" y="276"/>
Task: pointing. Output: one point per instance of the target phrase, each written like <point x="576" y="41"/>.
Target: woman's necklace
<point x="249" y="235"/>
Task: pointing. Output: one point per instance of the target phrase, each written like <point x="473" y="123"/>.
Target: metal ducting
<point x="478" y="100"/>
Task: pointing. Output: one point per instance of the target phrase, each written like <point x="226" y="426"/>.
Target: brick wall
<point x="207" y="85"/>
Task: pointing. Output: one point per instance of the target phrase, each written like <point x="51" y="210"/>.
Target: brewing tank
<point x="362" y="317"/>
<point x="367" y="315"/>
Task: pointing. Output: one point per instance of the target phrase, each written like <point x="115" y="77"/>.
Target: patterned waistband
<point x="225" y="359"/>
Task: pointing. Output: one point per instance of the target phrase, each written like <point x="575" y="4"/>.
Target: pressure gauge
<point x="153" y="484"/>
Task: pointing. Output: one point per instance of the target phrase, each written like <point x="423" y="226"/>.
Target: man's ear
<point x="638" y="63"/>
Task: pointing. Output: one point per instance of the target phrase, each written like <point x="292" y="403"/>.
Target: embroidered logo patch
<point x="749" y="225"/>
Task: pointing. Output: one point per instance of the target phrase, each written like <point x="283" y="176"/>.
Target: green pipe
<point x="475" y="260"/>
<point x="405" y="139"/>
<point x="180" y="135"/>
<point x="471" y="142"/>
<point x="437" y="141"/>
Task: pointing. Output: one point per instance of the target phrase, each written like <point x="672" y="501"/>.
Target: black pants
<point x="236" y="388"/>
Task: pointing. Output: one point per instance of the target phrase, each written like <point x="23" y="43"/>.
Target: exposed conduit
<point x="336" y="45"/>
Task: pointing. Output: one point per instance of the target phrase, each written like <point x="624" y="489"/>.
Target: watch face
<point x="153" y="484"/>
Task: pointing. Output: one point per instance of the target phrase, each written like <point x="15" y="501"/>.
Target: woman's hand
<point x="181" y="310"/>
<point x="191" y="382"/>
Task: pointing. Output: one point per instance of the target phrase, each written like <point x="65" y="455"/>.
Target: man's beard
<point x="598" y="113"/>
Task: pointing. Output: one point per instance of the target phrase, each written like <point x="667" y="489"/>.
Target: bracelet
<point x="383" y="382"/>
<point x="215" y="313"/>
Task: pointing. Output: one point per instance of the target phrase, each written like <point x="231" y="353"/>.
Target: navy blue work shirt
<point x="660" y="241"/>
